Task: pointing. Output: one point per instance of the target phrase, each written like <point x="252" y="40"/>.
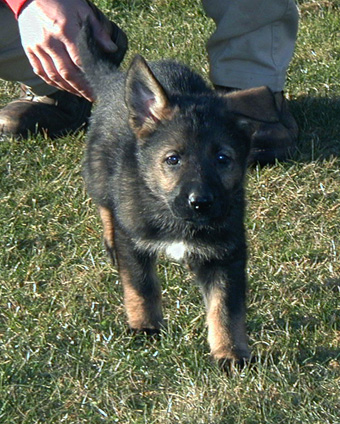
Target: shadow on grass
<point x="319" y="127"/>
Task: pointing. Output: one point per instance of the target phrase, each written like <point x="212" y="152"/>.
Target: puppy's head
<point x="192" y="147"/>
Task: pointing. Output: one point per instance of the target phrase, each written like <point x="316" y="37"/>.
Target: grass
<point x="65" y="353"/>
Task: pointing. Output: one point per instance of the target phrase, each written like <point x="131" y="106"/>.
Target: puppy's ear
<point x="252" y="108"/>
<point x="146" y="99"/>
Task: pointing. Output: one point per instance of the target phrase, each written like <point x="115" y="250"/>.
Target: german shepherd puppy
<point x="165" y="162"/>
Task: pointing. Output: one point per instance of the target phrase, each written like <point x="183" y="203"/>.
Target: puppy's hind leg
<point x="108" y="233"/>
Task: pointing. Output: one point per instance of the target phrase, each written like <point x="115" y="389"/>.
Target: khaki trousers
<point x="253" y="42"/>
<point x="252" y="45"/>
<point x="14" y="65"/>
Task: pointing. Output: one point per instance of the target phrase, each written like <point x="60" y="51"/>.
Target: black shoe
<point x="54" y="115"/>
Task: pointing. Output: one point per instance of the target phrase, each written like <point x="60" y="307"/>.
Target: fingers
<point x="57" y="68"/>
<point x="49" y="31"/>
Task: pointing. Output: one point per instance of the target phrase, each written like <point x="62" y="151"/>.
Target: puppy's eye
<point x="173" y="160"/>
<point x="223" y="159"/>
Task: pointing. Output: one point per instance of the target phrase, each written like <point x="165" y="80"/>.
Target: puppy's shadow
<point x="319" y="127"/>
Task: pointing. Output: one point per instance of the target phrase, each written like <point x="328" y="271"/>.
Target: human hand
<point x="49" y="31"/>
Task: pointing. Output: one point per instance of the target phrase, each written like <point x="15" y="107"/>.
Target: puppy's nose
<point x="200" y="203"/>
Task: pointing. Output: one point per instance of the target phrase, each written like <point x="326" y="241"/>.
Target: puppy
<point x="165" y="162"/>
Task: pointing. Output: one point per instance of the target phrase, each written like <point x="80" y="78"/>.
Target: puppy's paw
<point x="150" y="333"/>
<point x="231" y="366"/>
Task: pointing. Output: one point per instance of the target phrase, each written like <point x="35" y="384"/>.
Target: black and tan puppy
<point x="165" y="162"/>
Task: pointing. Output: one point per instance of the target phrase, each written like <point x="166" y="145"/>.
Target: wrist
<point x="17" y="5"/>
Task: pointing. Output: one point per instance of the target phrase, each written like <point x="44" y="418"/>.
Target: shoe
<point x="273" y="140"/>
<point x="53" y="115"/>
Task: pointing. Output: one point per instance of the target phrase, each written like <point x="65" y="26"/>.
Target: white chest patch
<point x="176" y="250"/>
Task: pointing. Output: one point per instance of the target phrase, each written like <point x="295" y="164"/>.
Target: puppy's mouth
<point x="198" y="218"/>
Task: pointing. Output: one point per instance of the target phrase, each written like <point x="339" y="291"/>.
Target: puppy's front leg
<point x="142" y="292"/>
<point x="224" y="291"/>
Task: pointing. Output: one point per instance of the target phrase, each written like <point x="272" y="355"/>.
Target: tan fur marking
<point x="108" y="226"/>
<point x="165" y="181"/>
<point x="142" y="313"/>
<point x="227" y="341"/>
<point x="161" y="111"/>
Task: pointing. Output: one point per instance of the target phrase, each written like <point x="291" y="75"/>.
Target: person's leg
<point x="14" y="65"/>
<point x="252" y="46"/>
<point x="253" y="42"/>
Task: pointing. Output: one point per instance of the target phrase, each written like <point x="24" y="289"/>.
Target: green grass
<point x="65" y="353"/>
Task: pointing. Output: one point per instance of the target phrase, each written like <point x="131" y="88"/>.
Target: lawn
<point x="65" y="353"/>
